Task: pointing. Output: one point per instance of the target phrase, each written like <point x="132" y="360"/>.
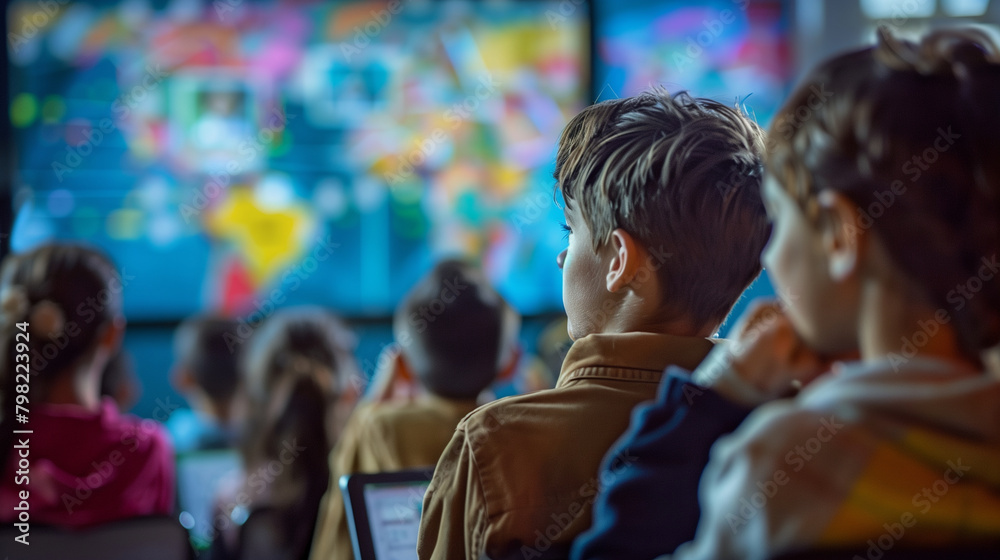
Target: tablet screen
<point x="394" y="517"/>
<point x="200" y="475"/>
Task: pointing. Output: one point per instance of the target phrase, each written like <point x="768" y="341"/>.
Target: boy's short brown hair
<point x="452" y="327"/>
<point x="682" y="175"/>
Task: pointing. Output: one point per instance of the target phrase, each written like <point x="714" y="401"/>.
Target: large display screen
<point x="728" y="50"/>
<point x="235" y="154"/>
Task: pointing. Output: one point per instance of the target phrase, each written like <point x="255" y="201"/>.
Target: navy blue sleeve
<point x="648" y="505"/>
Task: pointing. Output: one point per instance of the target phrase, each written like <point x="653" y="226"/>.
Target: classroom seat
<point x="147" y="538"/>
<point x="982" y="551"/>
<point x="260" y="538"/>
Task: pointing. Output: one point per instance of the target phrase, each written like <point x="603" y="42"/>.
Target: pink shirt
<point x="88" y="468"/>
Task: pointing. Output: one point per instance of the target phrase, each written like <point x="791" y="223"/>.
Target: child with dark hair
<point x="206" y="372"/>
<point x="296" y="367"/>
<point x="665" y="227"/>
<point x="886" y="209"/>
<point x="454" y="336"/>
<point x="89" y="463"/>
<point x="451" y="329"/>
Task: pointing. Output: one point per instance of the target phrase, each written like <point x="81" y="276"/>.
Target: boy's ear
<point x="403" y="369"/>
<point x="843" y="238"/>
<point x="110" y="340"/>
<point x="627" y="254"/>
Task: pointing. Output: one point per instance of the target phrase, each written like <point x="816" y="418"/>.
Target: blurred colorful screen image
<point x="239" y="154"/>
<point x="728" y="50"/>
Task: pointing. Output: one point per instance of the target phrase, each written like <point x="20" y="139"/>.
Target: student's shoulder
<point x="150" y="447"/>
<point x="384" y="410"/>
<point x="509" y="413"/>
<point x="777" y="432"/>
<point x="392" y="414"/>
<point x="139" y="435"/>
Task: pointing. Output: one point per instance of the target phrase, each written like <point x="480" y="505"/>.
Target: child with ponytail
<point x="87" y="463"/>
<point x="295" y="397"/>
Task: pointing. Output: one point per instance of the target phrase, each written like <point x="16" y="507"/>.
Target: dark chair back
<point x="988" y="550"/>
<point x="146" y="538"/>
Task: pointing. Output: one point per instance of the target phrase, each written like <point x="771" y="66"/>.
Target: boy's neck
<point x="638" y="318"/>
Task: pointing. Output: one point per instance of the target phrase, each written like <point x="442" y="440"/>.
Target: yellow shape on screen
<point x="269" y="239"/>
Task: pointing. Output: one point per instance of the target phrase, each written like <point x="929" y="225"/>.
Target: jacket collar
<point x="637" y="356"/>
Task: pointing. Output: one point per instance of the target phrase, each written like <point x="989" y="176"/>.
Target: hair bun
<point x="14" y="303"/>
<point x="943" y="52"/>
<point x="47" y="319"/>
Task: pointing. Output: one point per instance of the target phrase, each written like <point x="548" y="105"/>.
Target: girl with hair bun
<point x="296" y="395"/>
<point x="88" y="463"/>
<point x="886" y="251"/>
